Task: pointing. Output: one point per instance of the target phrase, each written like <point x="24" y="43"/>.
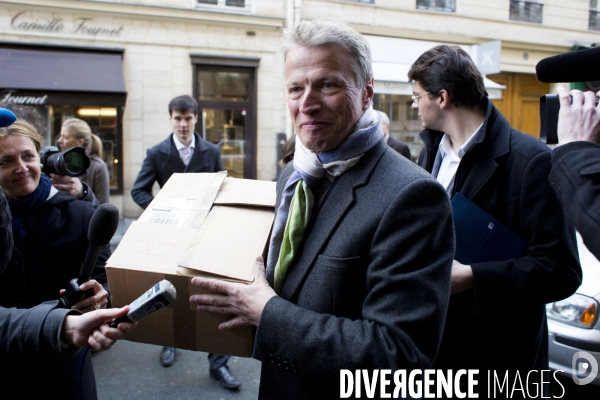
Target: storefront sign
<point x="78" y="26"/>
<point x="8" y="97"/>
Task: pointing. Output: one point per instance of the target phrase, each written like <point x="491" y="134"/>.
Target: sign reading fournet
<point x="84" y="26"/>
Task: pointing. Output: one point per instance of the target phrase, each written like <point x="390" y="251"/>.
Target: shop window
<point x="437" y="5"/>
<point x="233" y="5"/>
<point x="528" y="11"/>
<point x="226" y="92"/>
<point x="405" y="124"/>
<point x="103" y="122"/>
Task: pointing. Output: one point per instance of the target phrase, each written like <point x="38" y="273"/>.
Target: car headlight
<point x="577" y="310"/>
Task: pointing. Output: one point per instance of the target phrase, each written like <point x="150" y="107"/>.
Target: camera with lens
<point x="72" y="162"/>
<point x="549" y="107"/>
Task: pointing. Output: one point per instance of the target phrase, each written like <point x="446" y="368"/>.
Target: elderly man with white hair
<point x="358" y="270"/>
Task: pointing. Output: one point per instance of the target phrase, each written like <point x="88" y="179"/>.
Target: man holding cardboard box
<point x="183" y="151"/>
<point x="358" y="269"/>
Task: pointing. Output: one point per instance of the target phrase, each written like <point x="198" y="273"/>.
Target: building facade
<point x="117" y="63"/>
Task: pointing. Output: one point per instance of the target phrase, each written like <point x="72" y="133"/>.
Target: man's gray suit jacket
<point x="371" y="286"/>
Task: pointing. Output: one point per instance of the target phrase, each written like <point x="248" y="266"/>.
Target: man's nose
<point x="414" y="105"/>
<point x="310" y="102"/>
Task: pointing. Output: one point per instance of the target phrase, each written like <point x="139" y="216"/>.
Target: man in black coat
<point x="183" y="151"/>
<point x="497" y="318"/>
<point x="576" y="164"/>
<point x="365" y="287"/>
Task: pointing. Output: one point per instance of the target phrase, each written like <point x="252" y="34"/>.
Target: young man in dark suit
<point x="361" y="279"/>
<point x="183" y="151"/>
<point x="497" y="316"/>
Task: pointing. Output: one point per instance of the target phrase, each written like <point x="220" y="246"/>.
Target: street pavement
<point x="132" y="370"/>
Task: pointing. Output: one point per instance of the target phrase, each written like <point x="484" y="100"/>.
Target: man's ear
<point x="369" y="93"/>
<point x="444" y="98"/>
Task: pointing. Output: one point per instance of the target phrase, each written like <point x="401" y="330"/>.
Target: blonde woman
<point x="49" y="229"/>
<point x="76" y="132"/>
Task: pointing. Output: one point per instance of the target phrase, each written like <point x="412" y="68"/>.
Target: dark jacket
<point x="6" y="238"/>
<point x="501" y="323"/>
<point x="163" y="160"/>
<point x="575" y="178"/>
<point x="371" y="285"/>
<point x="34" y="329"/>
<point x="51" y="255"/>
<point x="400" y="147"/>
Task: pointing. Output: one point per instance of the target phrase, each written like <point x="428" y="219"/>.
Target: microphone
<point x="7" y="117"/>
<point x="103" y="225"/>
<point x="576" y="66"/>
<point x="158" y="296"/>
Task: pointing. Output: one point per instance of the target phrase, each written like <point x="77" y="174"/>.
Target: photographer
<point x="50" y="242"/>
<point x="73" y="186"/>
<point x="575" y="173"/>
<point x="76" y="132"/>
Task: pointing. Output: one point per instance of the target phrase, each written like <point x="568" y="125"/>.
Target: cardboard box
<point x="199" y="224"/>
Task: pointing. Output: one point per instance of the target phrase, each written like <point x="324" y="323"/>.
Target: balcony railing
<point x="594" y="20"/>
<point x="437" y="5"/>
<point x="527" y="11"/>
<point x="227" y="4"/>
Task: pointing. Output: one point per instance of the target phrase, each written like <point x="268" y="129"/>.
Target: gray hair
<point x="324" y="31"/>
<point x="384" y="118"/>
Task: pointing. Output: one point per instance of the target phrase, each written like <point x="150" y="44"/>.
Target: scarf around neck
<point x="312" y="167"/>
<point x="23" y="210"/>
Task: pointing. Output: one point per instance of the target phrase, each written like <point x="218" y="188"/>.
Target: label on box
<point x="170" y="211"/>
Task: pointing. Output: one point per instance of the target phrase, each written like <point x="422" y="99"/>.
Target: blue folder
<point x="480" y="237"/>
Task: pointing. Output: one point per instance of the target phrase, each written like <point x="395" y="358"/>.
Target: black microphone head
<point x="7" y="117"/>
<point x="576" y="66"/>
<point x="103" y="224"/>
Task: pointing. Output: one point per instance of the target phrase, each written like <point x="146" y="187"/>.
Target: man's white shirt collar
<point x="181" y="146"/>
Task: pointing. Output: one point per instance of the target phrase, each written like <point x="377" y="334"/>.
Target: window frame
<point x="222" y="6"/>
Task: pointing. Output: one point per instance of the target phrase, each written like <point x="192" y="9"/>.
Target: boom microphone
<point x="576" y="66"/>
<point x="103" y="225"/>
<point x="158" y="296"/>
<point x="7" y="117"/>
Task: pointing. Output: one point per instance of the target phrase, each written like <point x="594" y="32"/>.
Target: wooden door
<point x="520" y="103"/>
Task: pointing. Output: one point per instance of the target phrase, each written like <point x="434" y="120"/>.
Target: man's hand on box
<point x="579" y="121"/>
<point x="245" y="302"/>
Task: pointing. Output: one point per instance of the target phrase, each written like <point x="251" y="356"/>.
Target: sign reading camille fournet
<point x="13" y="97"/>
<point x="25" y="21"/>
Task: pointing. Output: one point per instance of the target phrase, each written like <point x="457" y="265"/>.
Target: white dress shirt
<point x="185" y="152"/>
<point x="451" y="160"/>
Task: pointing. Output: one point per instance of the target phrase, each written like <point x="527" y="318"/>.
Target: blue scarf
<point x="24" y="210"/>
<point x="312" y="168"/>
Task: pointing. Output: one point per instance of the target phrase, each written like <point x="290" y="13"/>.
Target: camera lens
<point x="74" y="163"/>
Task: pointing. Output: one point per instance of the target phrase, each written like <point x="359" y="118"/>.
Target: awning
<point x="392" y="58"/>
<point x="62" y="70"/>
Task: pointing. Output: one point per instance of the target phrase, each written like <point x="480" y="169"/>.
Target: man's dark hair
<point x="450" y="68"/>
<point x="183" y="104"/>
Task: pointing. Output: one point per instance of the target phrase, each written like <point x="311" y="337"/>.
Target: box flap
<point x="152" y="247"/>
<point x="229" y="241"/>
<point x="247" y="192"/>
<point x="185" y="199"/>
